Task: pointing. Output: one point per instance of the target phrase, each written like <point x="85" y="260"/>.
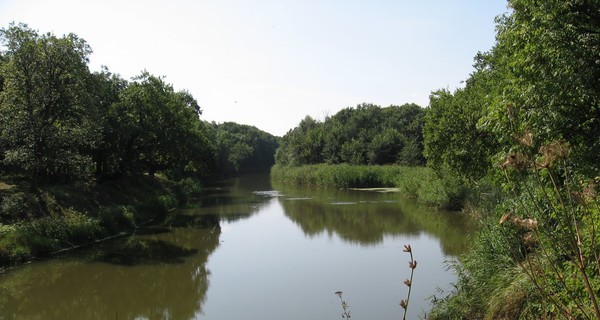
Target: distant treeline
<point x="367" y="134"/>
<point x="61" y="122"/>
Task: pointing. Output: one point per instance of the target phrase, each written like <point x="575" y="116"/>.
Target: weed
<point x="345" y="307"/>
<point x="412" y="264"/>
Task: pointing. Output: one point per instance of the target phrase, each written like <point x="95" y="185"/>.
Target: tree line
<point x="367" y="134"/>
<point x="61" y="122"/>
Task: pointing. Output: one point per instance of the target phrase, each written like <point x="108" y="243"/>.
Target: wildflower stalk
<point x="345" y="308"/>
<point x="412" y="264"/>
<point x="564" y="235"/>
<point x="580" y="258"/>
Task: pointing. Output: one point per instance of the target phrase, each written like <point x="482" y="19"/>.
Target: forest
<point x="365" y="135"/>
<point x="60" y="122"/>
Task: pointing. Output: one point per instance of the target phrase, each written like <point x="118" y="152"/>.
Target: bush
<point x="48" y="234"/>
<point x="187" y="188"/>
<point x="117" y="218"/>
<point x="13" y="206"/>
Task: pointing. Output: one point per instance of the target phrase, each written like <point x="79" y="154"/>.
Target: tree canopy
<point x="367" y="134"/>
<point x="61" y="122"/>
<point x="541" y="79"/>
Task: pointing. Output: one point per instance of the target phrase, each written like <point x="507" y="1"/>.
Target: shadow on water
<point x="366" y="217"/>
<point x="159" y="273"/>
<point x="146" y="251"/>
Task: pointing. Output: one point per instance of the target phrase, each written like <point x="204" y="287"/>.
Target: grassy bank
<point x="537" y="255"/>
<point x="419" y="182"/>
<point x="36" y="223"/>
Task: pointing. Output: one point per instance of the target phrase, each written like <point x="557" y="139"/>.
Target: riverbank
<point x="37" y="223"/>
<point x="422" y="183"/>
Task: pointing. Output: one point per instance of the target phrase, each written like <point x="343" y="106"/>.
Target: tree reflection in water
<point x="159" y="274"/>
<point x="366" y="217"/>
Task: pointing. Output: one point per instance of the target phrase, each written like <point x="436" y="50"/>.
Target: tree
<point x="547" y="56"/>
<point x="302" y="145"/>
<point x="44" y="118"/>
<point x="453" y="136"/>
<point x="104" y="89"/>
<point x="159" y="128"/>
<point x="367" y="134"/>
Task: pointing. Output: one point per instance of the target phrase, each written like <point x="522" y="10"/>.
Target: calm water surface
<point x="251" y="250"/>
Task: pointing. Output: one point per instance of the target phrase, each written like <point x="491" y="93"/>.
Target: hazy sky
<point x="269" y="63"/>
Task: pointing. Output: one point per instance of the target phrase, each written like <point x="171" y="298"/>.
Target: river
<point x="252" y="250"/>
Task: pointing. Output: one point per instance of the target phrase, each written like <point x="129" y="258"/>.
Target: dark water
<point x="250" y="250"/>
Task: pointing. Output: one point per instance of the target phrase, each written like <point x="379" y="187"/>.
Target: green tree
<point x="302" y="145"/>
<point x="385" y="146"/>
<point x="547" y="57"/>
<point x="45" y="121"/>
<point x="366" y="134"/>
<point x="243" y="148"/>
<point x="159" y="128"/>
<point x="104" y="89"/>
<point x="453" y="136"/>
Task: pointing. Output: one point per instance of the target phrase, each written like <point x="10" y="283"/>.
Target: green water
<point x="251" y="250"/>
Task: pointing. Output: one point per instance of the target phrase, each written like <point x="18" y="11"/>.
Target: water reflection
<point x="159" y="274"/>
<point x="232" y="199"/>
<point x="270" y="258"/>
<point x="366" y="217"/>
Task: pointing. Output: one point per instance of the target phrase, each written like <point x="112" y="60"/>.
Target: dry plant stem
<point x="530" y="272"/>
<point x="580" y="258"/>
<point x="345" y="312"/>
<point x="552" y="295"/>
<point x="594" y="241"/>
<point x="412" y="264"/>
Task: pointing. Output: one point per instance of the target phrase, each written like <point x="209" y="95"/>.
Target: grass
<point x="37" y="223"/>
<point x="537" y="256"/>
<point x="423" y="183"/>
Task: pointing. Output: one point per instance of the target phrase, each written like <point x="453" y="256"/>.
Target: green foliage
<point x="44" y="119"/>
<point x="453" y="138"/>
<point x="535" y="103"/>
<point x="117" y="218"/>
<point x="421" y="182"/>
<point x="243" y="148"/>
<point x="47" y="234"/>
<point x="547" y="57"/>
<point x="60" y="122"/>
<point x="13" y="206"/>
<point x="337" y="176"/>
<point x="367" y="134"/>
<point x="150" y="116"/>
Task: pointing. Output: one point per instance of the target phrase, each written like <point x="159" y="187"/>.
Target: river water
<point x="253" y="250"/>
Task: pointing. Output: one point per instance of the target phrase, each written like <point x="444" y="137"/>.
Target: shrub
<point x="13" y="206"/>
<point x="115" y="218"/>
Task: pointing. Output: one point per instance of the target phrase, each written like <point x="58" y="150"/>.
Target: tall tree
<point x="158" y="128"/>
<point x="453" y="136"/>
<point x="104" y="90"/>
<point x="547" y="56"/>
<point x="45" y="121"/>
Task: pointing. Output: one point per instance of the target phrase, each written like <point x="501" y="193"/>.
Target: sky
<point x="270" y="63"/>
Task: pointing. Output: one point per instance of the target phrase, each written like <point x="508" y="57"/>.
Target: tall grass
<point x="423" y="183"/>
<point x="538" y="255"/>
